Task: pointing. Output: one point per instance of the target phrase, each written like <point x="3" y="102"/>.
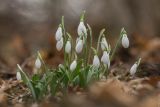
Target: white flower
<point x="133" y="69"/>
<point x="104" y="44"/>
<point x="105" y="58"/>
<point x="68" y="47"/>
<point x="59" y="44"/>
<point x="38" y="63"/>
<point x="125" y="41"/>
<point x="59" y="33"/>
<point x="18" y="76"/>
<point x="96" y="62"/>
<point x="82" y="29"/>
<point x="73" y="65"/>
<point x="79" y="46"/>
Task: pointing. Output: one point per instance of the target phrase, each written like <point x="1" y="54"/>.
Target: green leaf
<point x="27" y="81"/>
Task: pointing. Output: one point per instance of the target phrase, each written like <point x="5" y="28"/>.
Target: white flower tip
<point x="133" y="69"/>
<point x="59" y="33"/>
<point x="18" y="76"/>
<point x="82" y="29"/>
<point x="38" y="63"/>
<point x="125" y="41"/>
<point x="73" y="65"/>
<point x="105" y="59"/>
<point x="104" y="44"/>
<point x="79" y="46"/>
<point x="96" y="62"/>
<point x="59" y="44"/>
<point x="68" y="47"/>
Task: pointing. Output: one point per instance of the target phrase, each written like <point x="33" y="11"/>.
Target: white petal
<point x="105" y="58"/>
<point x="125" y="41"/>
<point x="68" y="47"/>
<point x="59" y="44"/>
<point x="59" y="34"/>
<point x="73" y="65"/>
<point x="81" y="29"/>
<point x="133" y="69"/>
<point x="96" y="62"/>
<point x="104" y="44"/>
<point x="37" y="63"/>
<point x="18" y="76"/>
<point x="79" y="46"/>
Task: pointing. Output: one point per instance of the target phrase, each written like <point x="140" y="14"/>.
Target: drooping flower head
<point x="81" y="27"/>
<point x="18" y="76"/>
<point x="79" y="46"/>
<point x="73" y="65"/>
<point x="105" y="58"/>
<point x="59" y="44"/>
<point x="96" y="62"/>
<point x="125" y="40"/>
<point x="104" y="44"/>
<point x="59" y="33"/>
<point x="68" y="47"/>
<point x="38" y="63"/>
<point x="134" y="67"/>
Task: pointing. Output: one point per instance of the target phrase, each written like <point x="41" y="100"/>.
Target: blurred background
<point x="29" y="25"/>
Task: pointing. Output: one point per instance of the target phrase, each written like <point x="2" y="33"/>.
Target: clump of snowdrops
<point x="82" y="65"/>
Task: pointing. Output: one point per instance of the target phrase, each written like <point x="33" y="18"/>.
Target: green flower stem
<point x="90" y="33"/>
<point x="64" y="40"/>
<point x="117" y="45"/>
<point x="99" y="38"/>
<point x="41" y="59"/>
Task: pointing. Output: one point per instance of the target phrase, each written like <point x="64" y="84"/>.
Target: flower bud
<point x="104" y="44"/>
<point x="18" y="76"/>
<point x="105" y="59"/>
<point x="59" y="44"/>
<point x="73" y="65"/>
<point x="38" y="63"/>
<point x="133" y="69"/>
<point x="79" y="46"/>
<point x="59" y="34"/>
<point x="68" y="47"/>
<point x="82" y="29"/>
<point x="96" y="62"/>
<point x="125" y="41"/>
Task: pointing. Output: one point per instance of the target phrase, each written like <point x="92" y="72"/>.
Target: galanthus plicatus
<point x="38" y="63"/>
<point x="68" y="47"/>
<point x="59" y="44"/>
<point x="105" y="58"/>
<point x="79" y="46"/>
<point x="59" y="33"/>
<point x="73" y="65"/>
<point x="104" y="44"/>
<point x="125" y="41"/>
<point x="96" y="62"/>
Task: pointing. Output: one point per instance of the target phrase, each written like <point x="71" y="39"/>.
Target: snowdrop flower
<point x="105" y="59"/>
<point x="18" y="76"/>
<point x="38" y="63"/>
<point x="59" y="44"/>
<point x="73" y="65"/>
<point x="125" y="41"/>
<point x="79" y="46"/>
<point x="68" y="47"/>
<point x="59" y="33"/>
<point x="96" y="62"/>
<point x="133" y="69"/>
<point x="82" y="29"/>
<point x="104" y="44"/>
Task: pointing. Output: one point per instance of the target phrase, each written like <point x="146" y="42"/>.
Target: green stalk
<point x="99" y="38"/>
<point x="90" y="33"/>
<point x="117" y="43"/>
